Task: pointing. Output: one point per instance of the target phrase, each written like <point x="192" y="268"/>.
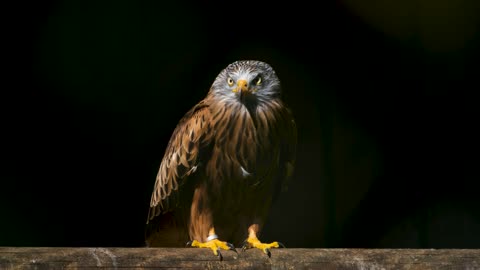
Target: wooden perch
<point x="192" y="258"/>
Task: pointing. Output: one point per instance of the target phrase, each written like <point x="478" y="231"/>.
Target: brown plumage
<point x="226" y="161"/>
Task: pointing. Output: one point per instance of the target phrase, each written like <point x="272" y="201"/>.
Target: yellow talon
<point x="253" y="242"/>
<point x="215" y="245"/>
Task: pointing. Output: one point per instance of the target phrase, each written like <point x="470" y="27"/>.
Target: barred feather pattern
<point x="227" y="151"/>
<point x="181" y="157"/>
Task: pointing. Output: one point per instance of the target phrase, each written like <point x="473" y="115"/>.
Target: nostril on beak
<point x="242" y="85"/>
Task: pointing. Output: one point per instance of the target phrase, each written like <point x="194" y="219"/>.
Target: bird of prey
<point x="226" y="162"/>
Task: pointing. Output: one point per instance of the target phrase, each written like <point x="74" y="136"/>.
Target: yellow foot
<point x="253" y="242"/>
<point x="215" y="245"/>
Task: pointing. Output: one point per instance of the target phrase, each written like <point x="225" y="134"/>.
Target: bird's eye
<point x="230" y="81"/>
<point x="258" y="80"/>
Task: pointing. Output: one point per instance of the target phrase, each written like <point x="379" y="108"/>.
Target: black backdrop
<point x="383" y="94"/>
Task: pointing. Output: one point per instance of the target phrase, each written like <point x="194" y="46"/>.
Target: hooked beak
<point x="242" y="87"/>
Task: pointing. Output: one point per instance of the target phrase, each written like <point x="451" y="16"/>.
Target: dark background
<point x="384" y="96"/>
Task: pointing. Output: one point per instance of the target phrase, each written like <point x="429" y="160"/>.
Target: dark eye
<point x="230" y="81"/>
<point x="258" y="80"/>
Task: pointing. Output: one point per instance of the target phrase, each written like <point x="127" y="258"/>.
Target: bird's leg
<point x="253" y="242"/>
<point x="213" y="243"/>
<point x="201" y="221"/>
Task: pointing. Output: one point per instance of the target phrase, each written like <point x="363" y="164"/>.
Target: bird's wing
<point x="181" y="159"/>
<point x="288" y="148"/>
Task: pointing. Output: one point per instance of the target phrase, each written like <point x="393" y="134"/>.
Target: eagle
<point x="226" y="162"/>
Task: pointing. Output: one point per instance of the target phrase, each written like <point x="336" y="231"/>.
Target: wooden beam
<point x="193" y="258"/>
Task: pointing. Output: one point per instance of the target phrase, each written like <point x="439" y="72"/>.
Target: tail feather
<point x="166" y="230"/>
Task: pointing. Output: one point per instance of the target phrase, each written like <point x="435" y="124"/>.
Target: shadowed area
<point x="383" y="96"/>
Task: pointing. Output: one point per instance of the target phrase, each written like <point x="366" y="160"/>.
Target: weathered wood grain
<point x="191" y="258"/>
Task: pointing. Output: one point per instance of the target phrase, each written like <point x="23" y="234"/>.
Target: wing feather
<point x="289" y="148"/>
<point x="181" y="159"/>
<point x="287" y="151"/>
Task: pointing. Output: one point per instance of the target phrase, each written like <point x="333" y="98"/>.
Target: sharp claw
<point x="267" y="251"/>
<point x="219" y="254"/>
<point x="244" y="246"/>
<point x="281" y="245"/>
<point x="232" y="247"/>
<point x="189" y="243"/>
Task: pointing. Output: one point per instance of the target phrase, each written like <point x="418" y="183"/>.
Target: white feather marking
<point x="192" y="170"/>
<point x="244" y="172"/>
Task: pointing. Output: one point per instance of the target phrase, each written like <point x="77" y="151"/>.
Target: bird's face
<point x="247" y="82"/>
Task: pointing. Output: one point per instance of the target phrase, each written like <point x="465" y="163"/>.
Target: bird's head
<point x="247" y="82"/>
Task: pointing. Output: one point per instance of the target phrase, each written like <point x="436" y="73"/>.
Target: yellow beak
<point x="242" y="86"/>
